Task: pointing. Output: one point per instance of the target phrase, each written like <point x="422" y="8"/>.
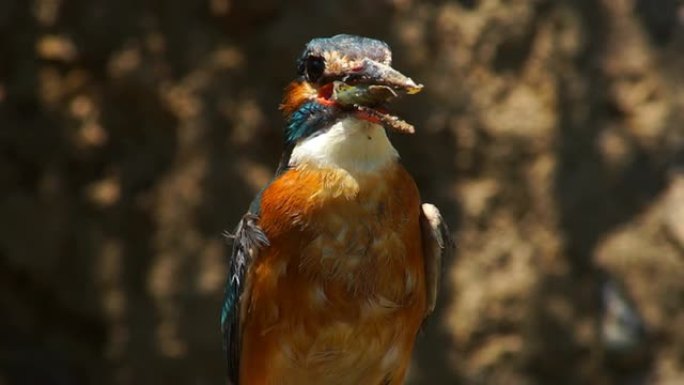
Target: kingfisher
<point x="336" y="264"/>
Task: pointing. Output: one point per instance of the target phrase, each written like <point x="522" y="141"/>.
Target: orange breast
<point x="339" y="295"/>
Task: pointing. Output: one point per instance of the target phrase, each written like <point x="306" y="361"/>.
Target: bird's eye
<point x="315" y="66"/>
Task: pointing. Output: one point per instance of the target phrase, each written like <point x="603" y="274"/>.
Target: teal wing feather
<point x="247" y="239"/>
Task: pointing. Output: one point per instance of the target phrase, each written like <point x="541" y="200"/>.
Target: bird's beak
<point x="372" y="83"/>
<point x="367" y="87"/>
<point x="384" y="75"/>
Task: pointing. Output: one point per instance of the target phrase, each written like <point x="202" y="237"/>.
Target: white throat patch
<point x="355" y="145"/>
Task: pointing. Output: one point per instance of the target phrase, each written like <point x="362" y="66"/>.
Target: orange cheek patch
<point x="296" y="93"/>
<point x="299" y="92"/>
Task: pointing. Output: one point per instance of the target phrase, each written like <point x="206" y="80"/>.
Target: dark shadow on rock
<point x="593" y="201"/>
<point x="660" y="18"/>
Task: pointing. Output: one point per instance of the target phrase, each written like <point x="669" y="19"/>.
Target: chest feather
<point x="355" y="230"/>
<point x="339" y="294"/>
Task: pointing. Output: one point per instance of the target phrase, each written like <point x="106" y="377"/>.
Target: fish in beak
<point x="369" y="87"/>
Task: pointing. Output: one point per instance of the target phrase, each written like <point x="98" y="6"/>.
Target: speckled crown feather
<point x="351" y="48"/>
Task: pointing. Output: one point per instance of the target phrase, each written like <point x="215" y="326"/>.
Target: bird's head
<point x="341" y="77"/>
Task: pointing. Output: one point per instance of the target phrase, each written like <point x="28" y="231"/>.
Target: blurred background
<point x="550" y="134"/>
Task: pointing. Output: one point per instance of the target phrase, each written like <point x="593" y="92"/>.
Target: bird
<point x="336" y="264"/>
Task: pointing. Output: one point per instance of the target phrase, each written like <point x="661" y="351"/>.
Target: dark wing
<point x="437" y="246"/>
<point x="247" y="240"/>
